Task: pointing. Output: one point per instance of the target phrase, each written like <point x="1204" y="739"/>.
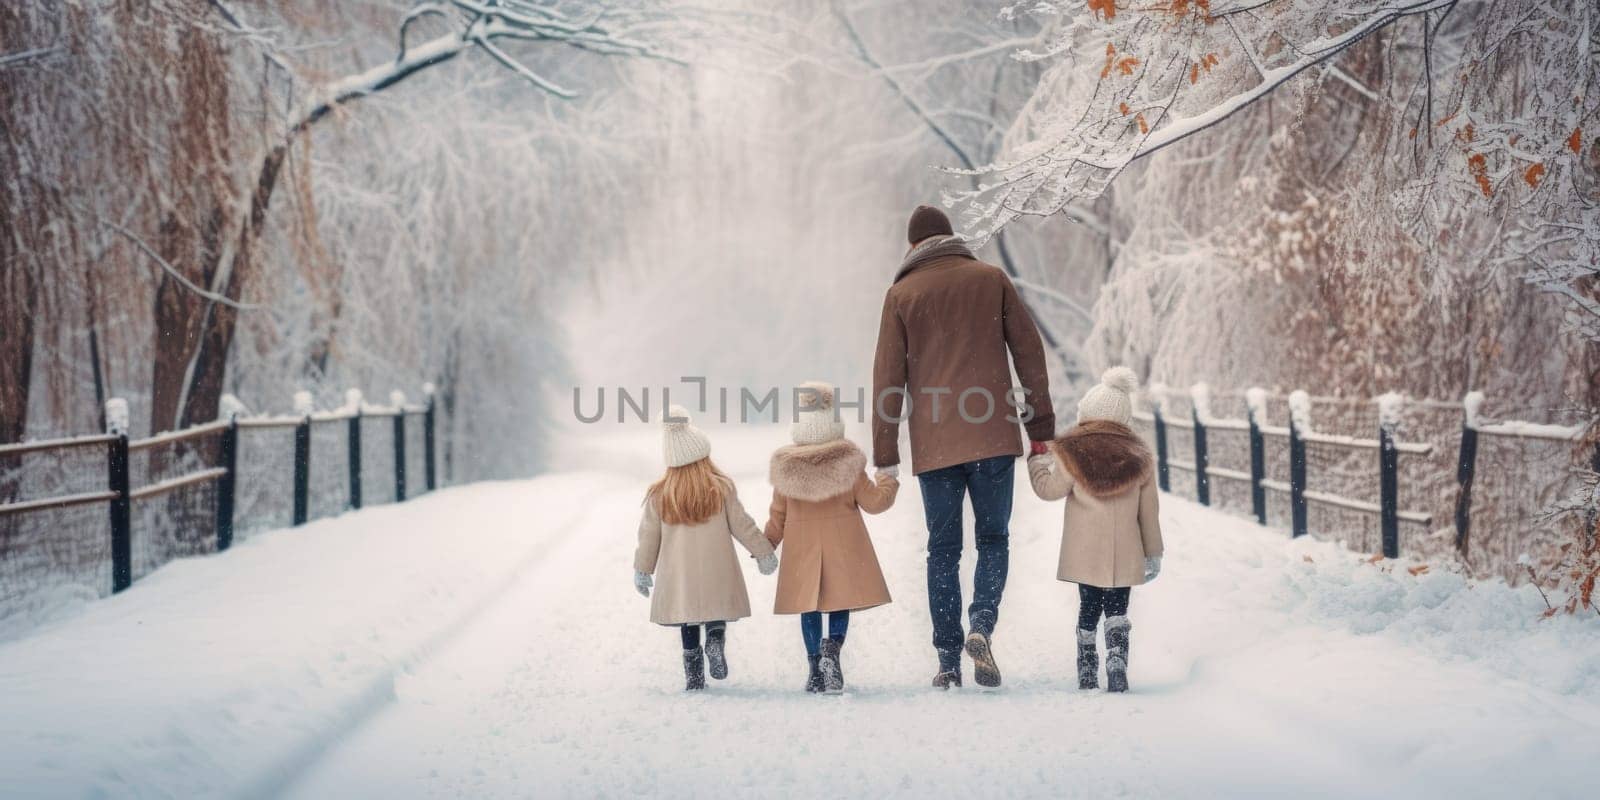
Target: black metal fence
<point x="1198" y="426"/>
<point x="142" y="473"/>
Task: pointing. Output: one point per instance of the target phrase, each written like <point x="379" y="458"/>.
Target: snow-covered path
<point x="493" y="647"/>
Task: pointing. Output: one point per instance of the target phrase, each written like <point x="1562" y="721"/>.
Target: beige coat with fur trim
<point x="818" y="494"/>
<point x="698" y="578"/>
<point x="1104" y="471"/>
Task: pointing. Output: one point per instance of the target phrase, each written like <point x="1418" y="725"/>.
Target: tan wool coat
<point x="948" y="323"/>
<point x="697" y="573"/>
<point x="1105" y="473"/>
<point x="818" y="494"/>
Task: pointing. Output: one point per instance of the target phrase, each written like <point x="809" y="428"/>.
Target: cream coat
<point x="1106" y="535"/>
<point x="698" y="578"/>
<point x="819" y="492"/>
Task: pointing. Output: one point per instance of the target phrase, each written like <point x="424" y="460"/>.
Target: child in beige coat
<point x="692" y="516"/>
<point x="1111" y="535"/>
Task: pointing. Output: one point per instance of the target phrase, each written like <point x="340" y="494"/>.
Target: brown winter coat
<point x="1111" y="526"/>
<point x="948" y="323"/>
<point x="698" y="578"/>
<point x="818" y="494"/>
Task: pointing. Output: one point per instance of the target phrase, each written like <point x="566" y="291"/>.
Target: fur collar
<point x="935" y="248"/>
<point x="814" y="472"/>
<point x="1103" y="457"/>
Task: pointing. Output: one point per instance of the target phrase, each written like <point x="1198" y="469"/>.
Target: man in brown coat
<point x="949" y="321"/>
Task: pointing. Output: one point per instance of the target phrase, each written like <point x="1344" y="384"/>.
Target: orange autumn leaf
<point x="1443" y="122"/>
<point x="1209" y="61"/>
<point x="1533" y="174"/>
<point x="1575" y="141"/>
<point x="1194" y="73"/>
<point x="1111" y="56"/>
<point x="1478" y="166"/>
<point x="1412" y="134"/>
<point x="1375" y="559"/>
<point x="1126" y="65"/>
<point x="1143" y="128"/>
<point x="1103" y="8"/>
<point x="1123" y="107"/>
<point x="1418" y="569"/>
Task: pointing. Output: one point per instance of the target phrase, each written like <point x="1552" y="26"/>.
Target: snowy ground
<point x="485" y="641"/>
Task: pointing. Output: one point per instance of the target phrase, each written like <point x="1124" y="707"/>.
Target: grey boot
<point x="814" y="679"/>
<point x="694" y="670"/>
<point x="1117" y="653"/>
<point x="832" y="678"/>
<point x="716" y="650"/>
<point x="1088" y="661"/>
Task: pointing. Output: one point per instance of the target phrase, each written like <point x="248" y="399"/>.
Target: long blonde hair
<point x="690" y="494"/>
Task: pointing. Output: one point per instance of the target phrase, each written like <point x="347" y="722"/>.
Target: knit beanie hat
<point x="927" y="221"/>
<point x="1110" y="400"/>
<point x="682" y="443"/>
<point x="816" y="421"/>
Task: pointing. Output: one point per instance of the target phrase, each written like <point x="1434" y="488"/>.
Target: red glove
<point x="1038" y="448"/>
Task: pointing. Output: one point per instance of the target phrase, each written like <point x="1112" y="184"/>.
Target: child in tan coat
<point x="691" y="518"/>
<point x="1111" y="537"/>
<point x="819" y="489"/>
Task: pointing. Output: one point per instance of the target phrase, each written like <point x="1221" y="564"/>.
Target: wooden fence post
<point x="227" y="484"/>
<point x="1199" y="412"/>
<point x="398" y="400"/>
<point x="122" y="504"/>
<point x="1299" y="426"/>
<point x="1466" y="467"/>
<point x="1256" y="405"/>
<point x="353" y="444"/>
<point x="429" y="469"/>
<point x="302" y="457"/>
<point x="1161" y="451"/>
<point x="1389" y="474"/>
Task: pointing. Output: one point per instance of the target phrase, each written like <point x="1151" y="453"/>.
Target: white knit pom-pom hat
<point x="816" y="422"/>
<point x="681" y="442"/>
<point x="1111" y="399"/>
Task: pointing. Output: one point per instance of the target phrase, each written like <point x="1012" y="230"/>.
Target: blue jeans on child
<point x="989" y="481"/>
<point x="811" y="628"/>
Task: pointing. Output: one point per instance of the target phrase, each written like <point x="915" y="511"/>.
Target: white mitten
<point x="768" y="563"/>
<point x="1152" y="568"/>
<point x="892" y="471"/>
<point x="642" y="581"/>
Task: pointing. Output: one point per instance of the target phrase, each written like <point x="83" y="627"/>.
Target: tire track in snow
<point x="380" y="692"/>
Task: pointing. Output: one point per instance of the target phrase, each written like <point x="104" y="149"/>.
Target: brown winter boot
<point x="984" y="670"/>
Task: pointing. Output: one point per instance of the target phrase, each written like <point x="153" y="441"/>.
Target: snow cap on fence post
<point x="1300" y="410"/>
<point x="230" y="406"/>
<point x="397" y="399"/>
<point x="117" y="416"/>
<point x="303" y="405"/>
<point x="1471" y="404"/>
<point x="1255" y="399"/>
<point x="1158" y="397"/>
<point x="352" y="400"/>
<point x="428" y="389"/>
<point x="1389" y="405"/>
<point x="1200" y="395"/>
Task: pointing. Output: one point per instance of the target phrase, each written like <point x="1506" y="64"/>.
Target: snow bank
<point x="223" y="675"/>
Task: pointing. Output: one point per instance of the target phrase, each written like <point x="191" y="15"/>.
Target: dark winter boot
<point x="716" y="655"/>
<point x="832" y="678"/>
<point x="814" y="680"/>
<point x="694" y="670"/>
<point x="1117" y="653"/>
<point x="984" y="670"/>
<point x="1088" y="661"/>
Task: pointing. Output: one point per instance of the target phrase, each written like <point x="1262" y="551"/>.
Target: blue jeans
<point x="989" y="481"/>
<point x="811" y="628"/>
